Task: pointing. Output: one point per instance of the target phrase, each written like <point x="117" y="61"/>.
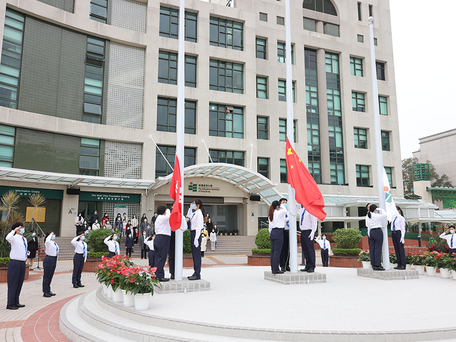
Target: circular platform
<point x="242" y="306"/>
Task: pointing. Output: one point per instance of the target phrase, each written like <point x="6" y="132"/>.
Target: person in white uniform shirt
<point x="16" y="265"/>
<point x="149" y="242"/>
<point x="162" y="241"/>
<point x="285" y="254"/>
<point x="112" y="244"/>
<point x="450" y="237"/>
<point x="374" y="231"/>
<point x="80" y="257"/>
<point x="196" y="215"/>
<point x="49" y="263"/>
<point x="398" y="237"/>
<point x="276" y="217"/>
<point x="308" y="226"/>
<point x="325" y="249"/>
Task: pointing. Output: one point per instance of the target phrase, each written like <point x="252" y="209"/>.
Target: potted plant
<point x="346" y="254"/>
<point x="364" y="257"/>
<point x="261" y="256"/>
<point x="408" y="260"/>
<point x="96" y="247"/>
<point x="452" y="266"/>
<point x="108" y="273"/>
<point x="393" y="259"/>
<point x="431" y="260"/>
<point x="418" y="261"/>
<point x="444" y="266"/>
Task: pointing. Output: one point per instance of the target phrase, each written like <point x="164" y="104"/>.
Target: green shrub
<point x="97" y="254"/>
<point x="95" y="239"/>
<point x="187" y="242"/>
<point x="4" y="261"/>
<point x="261" y="251"/>
<point x="262" y="239"/>
<point x="346" y="251"/>
<point x="347" y="238"/>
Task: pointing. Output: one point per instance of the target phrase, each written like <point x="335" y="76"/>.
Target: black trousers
<point x="285" y="254"/>
<point x="369" y="242"/>
<point x="15" y="275"/>
<point x="196" y="254"/>
<point x="276" y="238"/>
<point x="172" y="252"/>
<point x="161" y="246"/>
<point x="128" y="252"/>
<point x="111" y="254"/>
<point x="398" y="248"/>
<point x="376" y="237"/>
<point x="151" y="258"/>
<point x="143" y="253"/>
<point x="308" y="249"/>
<point x="49" y="264"/>
<point x="78" y="265"/>
<point x="324" y="257"/>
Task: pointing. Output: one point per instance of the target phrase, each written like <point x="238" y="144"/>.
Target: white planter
<point x="105" y="289"/>
<point x="444" y="273"/>
<point x="117" y="296"/>
<point x="454" y="274"/>
<point x="109" y="292"/>
<point x="142" y="301"/>
<point x="408" y="267"/>
<point x="128" y="299"/>
<point x="420" y="269"/>
<point x="366" y="264"/>
<point x="430" y="271"/>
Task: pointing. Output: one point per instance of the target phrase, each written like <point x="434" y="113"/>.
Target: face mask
<point x="85" y="222"/>
<point x="96" y="221"/>
<point x="129" y="235"/>
<point x="209" y="220"/>
<point x="107" y="222"/>
<point x="83" y="238"/>
<point x="80" y="215"/>
<point x="53" y="237"/>
<point x="22" y="231"/>
<point x="134" y="216"/>
<point x="95" y="212"/>
<point x="145" y="220"/>
<point x="452" y="231"/>
<point x="155" y="215"/>
<point x="285" y="205"/>
<point x="33" y="234"/>
<point x="324" y="237"/>
<point x="118" y="219"/>
<point x="106" y="215"/>
<point x="115" y="238"/>
<point x="192" y="206"/>
<point x="207" y="215"/>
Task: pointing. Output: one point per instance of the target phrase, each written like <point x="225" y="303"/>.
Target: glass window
<point x="167" y="112"/>
<point x="224" y="122"/>
<point x="360" y="18"/>
<point x="226" y="33"/>
<point x="263" y="166"/>
<point x="99" y="10"/>
<point x="358" y="102"/>
<point x="283" y="171"/>
<point x="167" y="67"/>
<point x="263" y="16"/>
<point x="360" y="38"/>
<point x="331" y="29"/>
<point x="89" y="158"/>
<point x="356" y="66"/>
<point x="383" y="103"/>
<point x="162" y="168"/>
<point x="310" y="24"/>
<point x="360" y="138"/>
<point x="226" y="76"/>
<point x="389" y="174"/>
<point x="283" y="91"/>
<point x="281" y="53"/>
<point x="371" y="11"/>
<point x="323" y="6"/>
<point x="190" y="71"/>
<point x="7" y="136"/>
<point x="262" y="87"/>
<point x="169" y="24"/>
<point x="93" y="81"/>
<point x="283" y="130"/>
<point x="262" y="128"/>
<point x="261" y="48"/>
<point x="386" y="141"/>
<point x="380" y="71"/>
<point x="362" y="175"/>
<point x="230" y="157"/>
<point x="280" y="20"/>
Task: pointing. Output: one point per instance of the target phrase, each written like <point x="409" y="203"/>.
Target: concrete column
<point x="251" y="222"/>
<point x="67" y="216"/>
<point x="323" y="111"/>
<point x="82" y="8"/>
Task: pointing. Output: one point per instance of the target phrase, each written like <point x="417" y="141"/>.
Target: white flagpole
<point x="290" y="136"/>
<point x="378" y="145"/>
<point x="180" y="128"/>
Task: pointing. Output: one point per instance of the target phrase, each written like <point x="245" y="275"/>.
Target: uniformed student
<point x="129" y="244"/>
<point x="450" y="237"/>
<point x="112" y="244"/>
<point x="149" y="241"/>
<point x="285" y="254"/>
<point x="80" y="257"/>
<point x="325" y="249"/>
<point x="308" y="225"/>
<point x="276" y="218"/>
<point x="196" y="215"/>
<point x="374" y="231"/>
<point x="398" y="237"/>
<point x="162" y="241"/>
<point x="49" y="263"/>
<point x="16" y="265"/>
<point x="172" y="251"/>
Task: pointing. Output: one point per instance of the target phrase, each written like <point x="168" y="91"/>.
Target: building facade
<point x="87" y="87"/>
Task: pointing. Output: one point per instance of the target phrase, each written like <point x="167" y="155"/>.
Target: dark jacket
<point x="129" y="243"/>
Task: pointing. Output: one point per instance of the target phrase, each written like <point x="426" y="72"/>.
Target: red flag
<point x="307" y="192"/>
<point x="175" y="192"/>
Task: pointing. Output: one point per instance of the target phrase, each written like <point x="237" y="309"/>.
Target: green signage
<point x="109" y="197"/>
<point x="27" y="192"/>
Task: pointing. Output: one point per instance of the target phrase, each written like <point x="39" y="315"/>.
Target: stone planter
<point x="444" y="273"/>
<point x="259" y="260"/>
<point x="110" y="292"/>
<point x="366" y="264"/>
<point x="4" y="272"/>
<point x="408" y="267"/>
<point x="453" y="273"/>
<point x="128" y="298"/>
<point x="420" y="269"/>
<point x="117" y="296"/>
<point x="105" y="289"/>
<point x="142" y="301"/>
<point x="350" y="261"/>
<point x="91" y="264"/>
<point x="430" y="271"/>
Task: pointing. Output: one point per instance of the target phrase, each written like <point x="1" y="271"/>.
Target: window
<point x="380" y="71"/>
<point x="263" y="166"/>
<point x="99" y="10"/>
<point x="190" y="71"/>
<point x="331" y="29"/>
<point x="282" y="54"/>
<point x="280" y="20"/>
<point x="360" y="18"/>
<point x="375" y="41"/>
<point x="360" y="38"/>
<point x="360" y="138"/>
<point x="283" y="91"/>
<point x="7" y="134"/>
<point x="371" y="11"/>
<point x="167" y="69"/>
<point x="362" y="175"/>
<point x="262" y="128"/>
<point x="263" y="16"/>
<point x="337" y="173"/>
<point x="324" y="6"/>
<point x="226" y="76"/>
<point x="93" y="82"/>
<point x="230" y="157"/>
<point x="389" y="174"/>
<point x="283" y="130"/>
<point x="169" y="24"/>
<point x="166" y="115"/>
<point x="89" y="160"/>
<point x="383" y="104"/>
<point x="226" y="33"/>
<point x="310" y="24"/>
<point x="385" y="141"/>
<point x="262" y="87"/>
<point x="356" y="66"/>
<point x="224" y="122"/>
<point x="283" y="171"/>
<point x="358" y="102"/>
<point x="10" y="67"/>
<point x="261" y="48"/>
<point x="162" y="168"/>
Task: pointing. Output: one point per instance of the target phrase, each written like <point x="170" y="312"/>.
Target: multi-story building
<point x="87" y="87"/>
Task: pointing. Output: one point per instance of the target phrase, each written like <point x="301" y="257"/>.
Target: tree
<point x="407" y="175"/>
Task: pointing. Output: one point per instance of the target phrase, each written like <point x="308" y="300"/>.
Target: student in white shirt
<point x="450" y="238"/>
<point x="112" y="244"/>
<point x="196" y="214"/>
<point x="150" y="243"/>
<point x="162" y="241"/>
<point x="285" y="254"/>
<point x="80" y="257"/>
<point x="398" y="237"/>
<point x="49" y="263"/>
<point x="374" y="231"/>
<point x="308" y="226"/>
<point x="16" y="265"/>
<point x="276" y="217"/>
<point x="325" y="249"/>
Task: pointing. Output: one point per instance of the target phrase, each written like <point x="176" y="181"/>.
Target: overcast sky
<point x="424" y="43"/>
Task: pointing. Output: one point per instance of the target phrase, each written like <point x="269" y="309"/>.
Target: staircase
<point x="66" y="249"/>
<point x="232" y="245"/>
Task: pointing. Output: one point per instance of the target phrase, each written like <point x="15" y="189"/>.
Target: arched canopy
<point x="323" y="6"/>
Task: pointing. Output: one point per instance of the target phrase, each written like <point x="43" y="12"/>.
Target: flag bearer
<point x="308" y="225"/>
<point x="80" y="257"/>
<point x="16" y="265"/>
<point x="398" y="237"/>
<point x="162" y="241"/>
<point x="374" y="231"/>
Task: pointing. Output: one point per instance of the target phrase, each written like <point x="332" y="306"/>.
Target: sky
<point x="424" y="47"/>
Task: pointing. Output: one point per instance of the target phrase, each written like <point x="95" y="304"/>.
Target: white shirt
<point x="95" y="226"/>
<point x="79" y="220"/>
<point x="134" y="222"/>
<point x="448" y="238"/>
<point x="52" y="249"/>
<point x="278" y="220"/>
<point x="80" y="247"/>
<point x="375" y="221"/>
<point x="18" y="246"/>
<point x="112" y="245"/>
<point x="287" y="221"/>
<point x="399" y="224"/>
<point x="196" y="219"/>
<point x="324" y="244"/>
<point x="150" y="243"/>
<point x="162" y="226"/>
<point x="213" y="237"/>
<point x="306" y="220"/>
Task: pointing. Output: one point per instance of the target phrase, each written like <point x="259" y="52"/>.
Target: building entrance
<point x="224" y="216"/>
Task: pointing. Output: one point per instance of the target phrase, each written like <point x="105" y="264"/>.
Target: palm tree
<point x="9" y="204"/>
<point x="36" y="200"/>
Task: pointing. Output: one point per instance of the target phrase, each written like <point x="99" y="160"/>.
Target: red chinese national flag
<point x="307" y="192"/>
<point x="175" y="192"/>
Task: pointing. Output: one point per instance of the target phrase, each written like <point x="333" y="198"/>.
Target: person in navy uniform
<point x="308" y="225"/>
<point x="112" y="244"/>
<point x="129" y="244"/>
<point x="49" y="263"/>
<point x="196" y="215"/>
<point x="398" y="237"/>
<point x="80" y="257"/>
<point x="325" y="249"/>
<point x="374" y="231"/>
<point x="162" y="241"/>
<point x="276" y="217"/>
<point x="16" y="265"/>
<point x="285" y="254"/>
<point x="450" y="237"/>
